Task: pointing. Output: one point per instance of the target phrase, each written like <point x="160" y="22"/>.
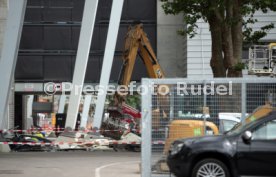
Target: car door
<point x="258" y="158"/>
<point x="263" y="148"/>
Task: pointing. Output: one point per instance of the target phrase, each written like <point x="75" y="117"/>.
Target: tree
<point x="228" y="21"/>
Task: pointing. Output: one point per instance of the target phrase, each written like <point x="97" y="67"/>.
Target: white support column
<point x="29" y="116"/>
<point x="61" y="104"/>
<point x="112" y="34"/>
<point x="87" y="27"/>
<point x="85" y="111"/>
<point x="9" y="52"/>
<point x="3" y="20"/>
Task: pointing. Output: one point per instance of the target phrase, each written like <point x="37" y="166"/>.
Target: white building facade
<point x="199" y="47"/>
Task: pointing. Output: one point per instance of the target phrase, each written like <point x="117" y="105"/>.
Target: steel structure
<point x="262" y="60"/>
<point x="88" y="22"/>
<point x="116" y="11"/>
<point x="85" y="110"/>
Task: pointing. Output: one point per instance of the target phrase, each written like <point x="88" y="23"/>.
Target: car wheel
<point x="210" y="168"/>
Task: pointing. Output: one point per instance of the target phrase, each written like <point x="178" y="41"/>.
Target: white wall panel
<point x="198" y="60"/>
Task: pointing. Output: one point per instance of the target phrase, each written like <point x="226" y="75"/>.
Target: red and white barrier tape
<point x="79" y="143"/>
<point x="62" y="130"/>
<point x="85" y="131"/>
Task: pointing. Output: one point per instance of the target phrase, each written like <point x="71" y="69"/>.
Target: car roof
<point x="234" y="114"/>
<point x="228" y="117"/>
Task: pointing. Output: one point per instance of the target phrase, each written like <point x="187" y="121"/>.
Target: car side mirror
<point x="247" y="136"/>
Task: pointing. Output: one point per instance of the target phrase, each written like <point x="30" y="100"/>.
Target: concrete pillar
<point x="112" y="34"/>
<point x="4" y="148"/>
<point x="171" y="47"/>
<point x="61" y="106"/>
<point x="85" y="111"/>
<point x="3" y="19"/>
<point x="25" y="112"/>
<point x="11" y="41"/>
<point x="29" y="111"/>
<point x="87" y="27"/>
<point x="9" y="119"/>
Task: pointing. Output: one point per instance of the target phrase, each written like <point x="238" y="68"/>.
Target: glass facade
<point x="51" y="32"/>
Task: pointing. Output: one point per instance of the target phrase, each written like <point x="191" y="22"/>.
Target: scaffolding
<point x="262" y="60"/>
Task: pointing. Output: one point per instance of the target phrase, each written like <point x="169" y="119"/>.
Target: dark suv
<point x="248" y="150"/>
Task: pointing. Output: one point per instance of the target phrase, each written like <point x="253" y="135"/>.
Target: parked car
<point x="227" y="122"/>
<point x="248" y="150"/>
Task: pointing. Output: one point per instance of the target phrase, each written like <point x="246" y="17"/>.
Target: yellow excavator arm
<point x="137" y="42"/>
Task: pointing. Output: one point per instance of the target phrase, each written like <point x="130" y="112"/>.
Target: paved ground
<point x="70" y="164"/>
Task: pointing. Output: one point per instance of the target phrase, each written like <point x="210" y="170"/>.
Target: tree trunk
<point x="217" y="57"/>
<point x="237" y="38"/>
<point x="227" y="43"/>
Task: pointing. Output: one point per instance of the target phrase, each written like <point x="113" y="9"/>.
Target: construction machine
<point x="122" y="115"/>
<point x="260" y="112"/>
<point x="262" y="60"/>
<point x="137" y="43"/>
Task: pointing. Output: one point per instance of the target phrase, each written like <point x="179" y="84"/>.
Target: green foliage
<point x="194" y="10"/>
<point x="252" y="37"/>
<point x="249" y="9"/>
<point x="239" y="66"/>
<point x="191" y="10"/>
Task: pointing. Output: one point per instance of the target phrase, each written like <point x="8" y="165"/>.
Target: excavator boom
<point x="137" y="42"/>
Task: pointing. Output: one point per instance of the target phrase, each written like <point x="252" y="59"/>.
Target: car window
<point x="238" y="128"/>
<point x="267" y="131"/>
<point x="228" y="124"/>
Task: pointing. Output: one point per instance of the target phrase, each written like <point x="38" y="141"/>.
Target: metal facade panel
<point x="51" y="38"/>
<point x="32" y="38"/>
<point x="77" y="11"/>
<point x="54" y="63"/>
<point x="59" y="3"/>
<point x="34" y="15"/>
<point x="93" y="69"/>
<point x="57" y="38"/>
<point x="29" y="68"/>
<point x="58" y="14"/>
<point x="96" y="38"/>
<point x="141" y="10"/>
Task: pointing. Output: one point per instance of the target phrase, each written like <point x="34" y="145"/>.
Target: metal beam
<point x="9" y="52"/>
<point x="87" y="27"/>
<point x="146" y="129"/>
<point x="243" y="103"/>
<point x="113" y="29"/>
<point x="85" y="111"/>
